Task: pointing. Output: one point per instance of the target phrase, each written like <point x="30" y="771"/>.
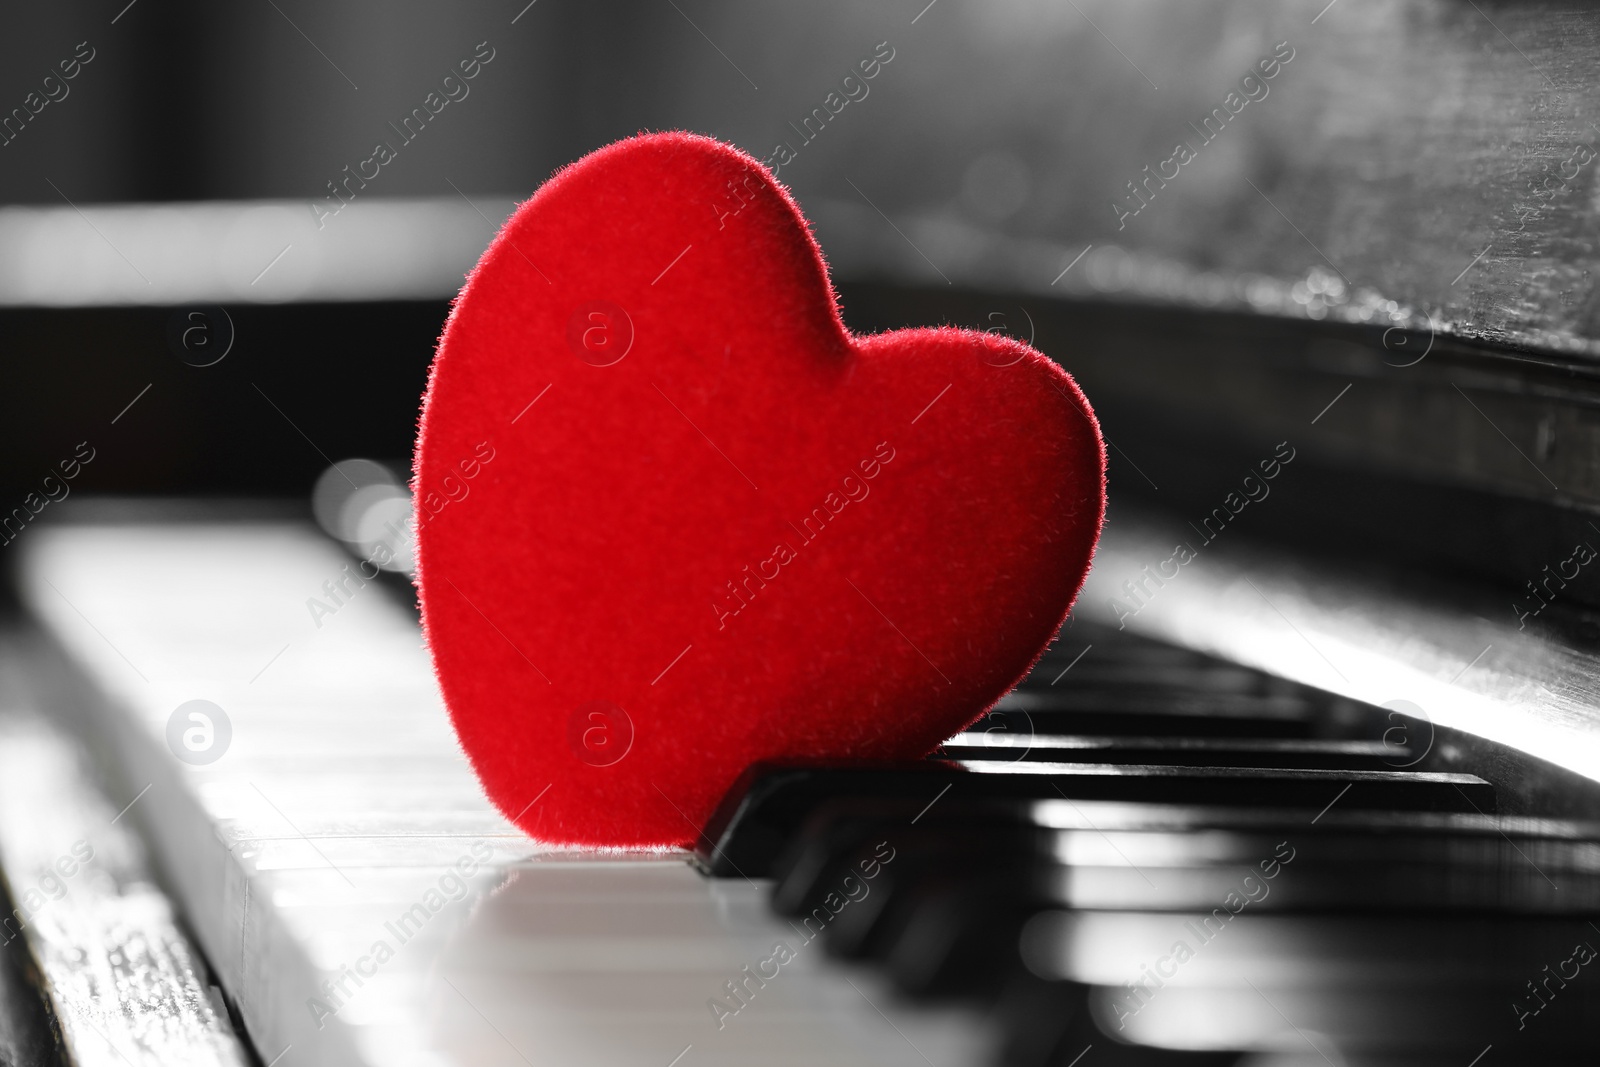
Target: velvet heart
<point x="673" y="518"/>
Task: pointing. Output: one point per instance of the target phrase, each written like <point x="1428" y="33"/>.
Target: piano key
<point x="1158" y="713"/>
<point x="1175" y="713"/>
<point x="1039" y="1020"/>
<point x="939" y="930"/>
<point x="1306" y="753"/>
<point x="545" y="944"/>
<point x="123" y="983"/>
<point x="1349" y="874"/>
<point x="1528" y="694"/>
<point x="327" y="889"/>
<point x="1397" y="982"/>
<point x="1437" y="1021"/>
<point x="1048" y="1024"/>
<point x="1140" y="688"/>
<point x="967" y="877"/>
<point x="1474" y="861"/>
<point x="25" y="1037"/>
<point x="1224" y="948"/>
<point x="769" y="802"/>
<point x="1065" y="814"/>
<point x="957" y="936"/>
<point x="821" y="850"/>
<point x="636" y="956"/>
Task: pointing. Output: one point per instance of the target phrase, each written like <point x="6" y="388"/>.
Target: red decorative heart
<point x="673" y="518"/>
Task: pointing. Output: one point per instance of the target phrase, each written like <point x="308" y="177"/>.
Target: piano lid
<point x="1429" y="164"/>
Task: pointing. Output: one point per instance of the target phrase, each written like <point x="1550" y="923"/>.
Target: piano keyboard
<point x="120" y="975"/>
<point x="343" y="817"/>
<point x="1143" y="856"/>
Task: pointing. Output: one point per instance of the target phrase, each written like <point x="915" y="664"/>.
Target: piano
<point x="1310" y="776"/>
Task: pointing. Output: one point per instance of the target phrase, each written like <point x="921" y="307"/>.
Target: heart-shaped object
<point x="673" y="518"/>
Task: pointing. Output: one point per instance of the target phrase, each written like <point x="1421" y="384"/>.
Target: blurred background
<point x="1217" y="214"/>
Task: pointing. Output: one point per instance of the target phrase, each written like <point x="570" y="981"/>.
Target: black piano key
<point x="1296" y="753"/>
<point x="1159" y="716"/>
<point x="1439" y="1021"/>
<point x="1140" y="695"/>
<point x="1145" y="692"/>
<point x="944" y="913"/>
<point x="1160" y="713"/>
<point x="767" y="805"/>
<point x="1347" y="875"/>
<point x="947" y="935"/>
<point x="952" y="941"/>
<point x="1104" y="681"/>
<point x="1049" y="1024"/>
<point x="941" y="921"/>
<point x="1149" y="779"/>
<point x="821" y="852"/>
<point x="873" y="926"/>
<point x="1036" y="1017"/>
<point x="1375" y="991"/>
<point x="1333" y="950"/>
<point x="1125" y="852"/>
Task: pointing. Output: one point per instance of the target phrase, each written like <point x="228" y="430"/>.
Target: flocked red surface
<point x="753" y="535"/>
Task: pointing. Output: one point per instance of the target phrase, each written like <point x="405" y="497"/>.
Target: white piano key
<point x="122" y="980"/>
<point x="318" y="858"/>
